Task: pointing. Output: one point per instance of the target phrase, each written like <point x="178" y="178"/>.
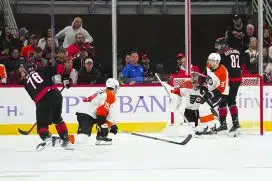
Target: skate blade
<point x="100" y="142"/>
<point x="234" y="134"/>
<point x="43" y="145"/>
<point x="69" y="147"/>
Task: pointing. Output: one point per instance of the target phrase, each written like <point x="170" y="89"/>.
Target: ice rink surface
<point x="132" y="158"/>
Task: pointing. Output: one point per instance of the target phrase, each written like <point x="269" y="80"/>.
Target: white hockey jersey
<point x="100" y="103"/>
<point x="192" y="96"/>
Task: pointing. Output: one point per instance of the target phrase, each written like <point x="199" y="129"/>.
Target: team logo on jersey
<point x="209" y="80"/>
<point x="195" y="99"/>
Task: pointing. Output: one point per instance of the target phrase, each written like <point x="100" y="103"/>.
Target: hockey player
<point x="217" y="84"/>
<point x="230" y="58"/>
<point x="196" y="107"/>
<point x="48" y="100"/>
<point x="99" y="107"/>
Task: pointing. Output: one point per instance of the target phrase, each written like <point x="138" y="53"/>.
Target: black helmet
<point x="220" y="43"/>
<point x="29" y="67"/>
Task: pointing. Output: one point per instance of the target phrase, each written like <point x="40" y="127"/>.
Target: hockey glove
<point x="206" y="96"/>
<point x="66" y="83"/>
<point x="114" y="129"/>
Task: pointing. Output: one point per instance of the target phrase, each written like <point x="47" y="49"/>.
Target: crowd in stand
<point x="73" y="55"/>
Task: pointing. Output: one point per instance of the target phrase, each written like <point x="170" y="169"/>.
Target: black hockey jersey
<point x="230" y="58"/>
<point x="39" y="82"/>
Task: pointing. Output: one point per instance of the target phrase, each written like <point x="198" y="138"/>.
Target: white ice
<point x="133" y="158"/>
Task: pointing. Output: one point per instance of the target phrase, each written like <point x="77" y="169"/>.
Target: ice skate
<point x="46" y="143"/>
<point x="103" y="141"/>
<point x="235" y="131"/>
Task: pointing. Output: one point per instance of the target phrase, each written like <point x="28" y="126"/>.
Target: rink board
<point x="139" y="109"/>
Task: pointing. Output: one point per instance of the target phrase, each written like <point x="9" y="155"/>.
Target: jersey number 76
<point x="34" y="78"/>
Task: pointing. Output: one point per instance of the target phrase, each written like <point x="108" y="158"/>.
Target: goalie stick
<point x="33" y="126"/>
<point x="183" y="142"/>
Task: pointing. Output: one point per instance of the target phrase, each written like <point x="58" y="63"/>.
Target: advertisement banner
<point x="134" y="104"/>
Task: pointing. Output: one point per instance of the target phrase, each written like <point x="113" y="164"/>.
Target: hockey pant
<point x="86" y="123"/>
<point x="192" y="116"/>
<point x="231" y="103"/>
<point x="48" y="111"/>
<point x="206" y="117"/>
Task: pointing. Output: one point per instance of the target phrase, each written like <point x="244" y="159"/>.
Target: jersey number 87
<point x="34" y="78"/>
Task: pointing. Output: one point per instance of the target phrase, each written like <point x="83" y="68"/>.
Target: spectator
<point x="235" y="33"/>
<point x="268" y="68"/>
<point x="61" y="56"/>
<point x="47" y="51"/>
<point x="37" y="58"/>
<point x="75" y="48"/>
<point x="251" y="56"/>
<point x="265" y="56"/>
<point x="148" y="70"/>
<point x="79" y="59"/>
<point x="11" y="62"/>
<point x="181" y="60"/>
<point x="88" y="75"/>
<point x="133" y="72"/>
<point x="249" y="33"/>
<point x="43" y="41"/>
<point x="21" y="39"/>
<point x="70" y="72"/>
<point x="66" y="71"/>
<point x="69" y="33"/>
<point x="28" y="51"/>
<point x="17" y="77"/>
<point x="3" y="74"/>
<point x="267" y="39"/>
<point x="6" y="41"/>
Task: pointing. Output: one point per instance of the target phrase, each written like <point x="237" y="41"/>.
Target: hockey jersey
<point x="192" y="95"/>
<point x="3" y="74"/>
<point x="99" y="104"/>
<point x="218" y="79"/>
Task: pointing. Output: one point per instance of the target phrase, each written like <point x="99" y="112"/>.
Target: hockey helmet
<point x="220" y="43"/>
<point x="113" y="84"/>
<point x="29" y="67"/>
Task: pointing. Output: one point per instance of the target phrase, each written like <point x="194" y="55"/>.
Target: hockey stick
<point x="33" y="126"/>
<point x="161" y="83"/>
<point x="183" y="142"/>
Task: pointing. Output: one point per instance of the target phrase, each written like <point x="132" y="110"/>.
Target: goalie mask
<point x="197" y="79"/>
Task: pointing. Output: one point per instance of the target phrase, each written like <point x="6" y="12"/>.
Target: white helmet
<point x="215" y="56"/>
<point x="112" y="83"/>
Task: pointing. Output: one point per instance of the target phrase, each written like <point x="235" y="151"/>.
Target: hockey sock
<point x="62" y="130"/>
<point x="43" y="133"/>
<point x="223" y="112"/>
<point x="234" y="113"/>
